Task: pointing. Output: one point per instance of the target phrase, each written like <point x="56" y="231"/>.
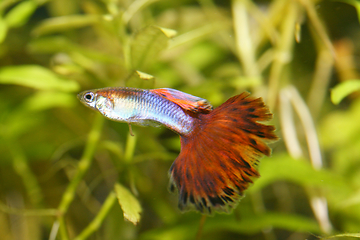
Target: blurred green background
<point x="64" y="169"/>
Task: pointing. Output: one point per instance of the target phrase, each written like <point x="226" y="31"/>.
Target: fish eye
<point x="89" y="97"/>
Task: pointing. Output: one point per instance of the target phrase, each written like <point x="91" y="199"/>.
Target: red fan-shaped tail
<point x="219" y="158"/>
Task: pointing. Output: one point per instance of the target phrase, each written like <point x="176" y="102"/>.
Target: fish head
<point x="97" y="101"/>
<point x="88" y="98"/>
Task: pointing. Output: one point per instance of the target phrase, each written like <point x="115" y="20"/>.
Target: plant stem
<point x="317" y="201"/>
<point x="130" y="147"/>
<point x="244" y="43"/>
<point x="283" y="52"/>
<point x="83" y="166"/>
<point x="20" y="164"/>
<point x="96" y="222"/>
<point x="27" y="212"/>
<point x="201" y="227"/>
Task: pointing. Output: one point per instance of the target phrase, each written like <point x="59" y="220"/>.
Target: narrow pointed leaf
<point x="20" y="14"/>
<point x="64" y="23"/>
<point x="36" y="77"/>
<point x="48" y="99"/>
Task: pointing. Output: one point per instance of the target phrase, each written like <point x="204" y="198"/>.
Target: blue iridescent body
<point x="138" y="106"/>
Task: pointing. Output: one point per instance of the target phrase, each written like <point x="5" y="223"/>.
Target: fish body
<point x="138" y="106"/>
<point x="220" y="148"/>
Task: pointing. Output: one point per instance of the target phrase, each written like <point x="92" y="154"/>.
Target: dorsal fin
<point x="185" y="101"/>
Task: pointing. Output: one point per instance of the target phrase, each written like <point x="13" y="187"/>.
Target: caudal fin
<point x="219" y="158"/>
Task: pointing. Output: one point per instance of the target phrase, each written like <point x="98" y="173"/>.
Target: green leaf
<point x="202" y="55"/>
<point x="55" y="44"/>
<point x="51" y="44"/>
<point x="135" y="7"/>
<point x="140" y="79"/>
<point x="352" y="200"/>
<point x="20" y="122"/>
<point x="344" y="89"/>
<point x="36" y="77"/>
<point x="128" y="203"/>
<point x="170" y="33"/>
<point x="64" y="23"/>
<point x="3" y="30"/>
<point x="20" y="14"/>
<point x="341" y="128"/>
<point x="47" y="99"/>
<point x="144" y="76"/>
<point x="256" y="223"/>
<point x="283" y="167"/>
<point x="146" y="46"/>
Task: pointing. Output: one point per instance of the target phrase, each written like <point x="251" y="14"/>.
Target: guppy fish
<point x="220" y="148"/>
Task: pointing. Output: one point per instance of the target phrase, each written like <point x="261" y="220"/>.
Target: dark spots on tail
<point x="248" y="179"/>
<point x="240" y="188"/>
<point x="218" y="178"/>
<point x="247" y="165"/>
<point x="247" y="130"/>
<point x="228" y="191"/>
<point x="227" y="199"/>
<point x="251" y="109"/>
<point x="241" y="164"/>
<point x="172" y="188"/>
<point x="211" y="184"/>
<point x="191" y="198"/>
<point x="216" y="201"/>
<point x="253" y="142"/>
<point x="244" y="102"/>
<point x="184" y="197"/>
<point x="199" y="207"/>
<point x="188" y="176"/>
<point x="252" y="116"/>
<point x="222" y="165"/>
<point x="248" y="173"/>
<point x="261" y="134"/>
<point x="203" y="201"/>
